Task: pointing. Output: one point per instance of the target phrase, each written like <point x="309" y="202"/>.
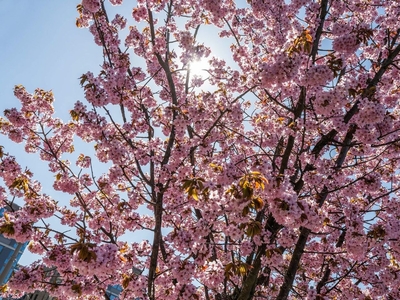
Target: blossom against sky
<point x="42" y="48"/>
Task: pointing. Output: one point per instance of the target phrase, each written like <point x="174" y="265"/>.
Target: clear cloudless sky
<point x="42" y="47"/>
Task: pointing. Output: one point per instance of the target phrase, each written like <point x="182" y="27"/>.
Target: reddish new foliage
<point x="273" y="176"/>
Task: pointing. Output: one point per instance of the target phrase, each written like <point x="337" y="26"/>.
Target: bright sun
<point x="198" y="67"/>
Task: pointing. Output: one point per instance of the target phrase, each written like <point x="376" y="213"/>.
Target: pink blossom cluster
<point x="368" y="133"/>
<point x="139" y="13"/>
<point x="341" y="28"/>
<point x="325" y="103"/>
<point x="283" y="69"/>
<point x="218" y="10"/>
<point x="91" y="5"/>
<point x="370" y="113"/>
<point x="318" y="75"/>
<point x="297" y="4"/>
<point x="347" y="43"/>
<point x="185" y="39"/>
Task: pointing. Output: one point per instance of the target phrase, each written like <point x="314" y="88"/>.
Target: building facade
<point x="113" y="291"/>
<point x="37" y="296"/>
<point x="10" y="253"/>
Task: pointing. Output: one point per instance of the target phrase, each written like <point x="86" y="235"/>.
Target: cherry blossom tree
<point x="273" y="176"/>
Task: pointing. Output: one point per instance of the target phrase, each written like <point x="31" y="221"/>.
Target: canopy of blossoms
<point x="274" y="176"/>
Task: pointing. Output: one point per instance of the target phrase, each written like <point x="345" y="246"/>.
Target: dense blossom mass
<point x="273" y="176"/>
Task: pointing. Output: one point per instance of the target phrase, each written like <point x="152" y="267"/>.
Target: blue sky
<point x="42" y="47"/>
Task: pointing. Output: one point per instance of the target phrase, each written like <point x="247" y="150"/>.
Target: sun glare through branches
<point x="199" y="68"/>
